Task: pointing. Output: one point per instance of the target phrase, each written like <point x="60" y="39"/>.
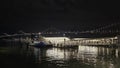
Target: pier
<point x="71" y="42"/>
<point x="107" y="35"/>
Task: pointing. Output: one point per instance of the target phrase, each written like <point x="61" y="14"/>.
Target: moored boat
<point x="40" y="44"/>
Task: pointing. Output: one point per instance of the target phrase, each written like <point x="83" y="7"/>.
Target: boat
<point x="40" y="44"/>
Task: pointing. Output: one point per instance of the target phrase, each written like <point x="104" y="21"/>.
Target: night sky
<point x="38" y="15"/>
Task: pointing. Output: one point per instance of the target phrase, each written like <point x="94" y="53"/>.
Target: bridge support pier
<point x="118" y="40"/>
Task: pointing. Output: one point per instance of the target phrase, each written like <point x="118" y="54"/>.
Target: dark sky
<point x="37" y="15"/>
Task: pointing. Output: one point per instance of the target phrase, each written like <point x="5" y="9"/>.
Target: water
<point x="81" y="57"/>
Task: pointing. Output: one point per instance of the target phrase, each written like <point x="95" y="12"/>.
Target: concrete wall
<point x="56" y="40"/>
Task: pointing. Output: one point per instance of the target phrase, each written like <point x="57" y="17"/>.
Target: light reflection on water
<point x="85" y="56"/>
<point x="61" y="54"/>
